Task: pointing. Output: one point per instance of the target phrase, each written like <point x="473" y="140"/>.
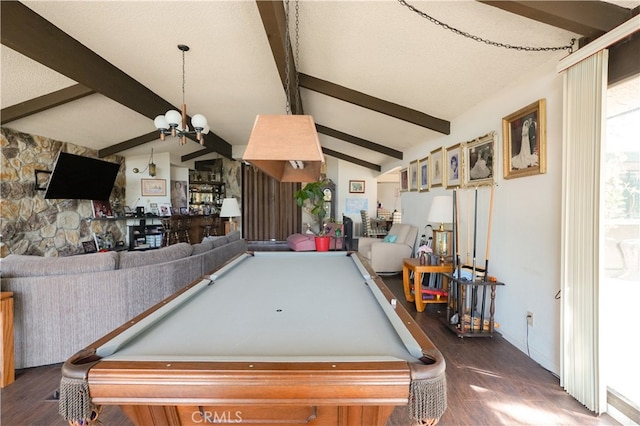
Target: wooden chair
<point x="368" y="230"/>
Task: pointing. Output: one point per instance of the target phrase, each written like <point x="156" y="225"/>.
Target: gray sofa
<point x="62" y="304"/>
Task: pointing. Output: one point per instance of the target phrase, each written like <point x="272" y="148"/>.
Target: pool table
<point x="269" y="338"/>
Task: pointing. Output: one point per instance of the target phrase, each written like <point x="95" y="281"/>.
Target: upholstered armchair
<point x="386" y="256"/>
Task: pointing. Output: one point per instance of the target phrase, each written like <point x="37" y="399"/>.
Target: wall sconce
<point x="151" y="167"/>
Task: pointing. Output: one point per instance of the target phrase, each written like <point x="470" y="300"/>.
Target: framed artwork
<point x="404" y="180"/>
<point x="435" y="167"/>
<point x="479" y="161"/>
<point x="165" y="210"/>
<point x="89" y="246"/>
<point x="524" y="138"/>
<point x="356" y="186"/>
<point x="154" y="187"/>
<point x="101" y="208"/>
<point x="454" y="166"/>
<point x="423" y="174"/>
<point x="413" y="175"/>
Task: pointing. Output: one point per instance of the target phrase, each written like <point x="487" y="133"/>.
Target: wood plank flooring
<point x="489" y="382"/>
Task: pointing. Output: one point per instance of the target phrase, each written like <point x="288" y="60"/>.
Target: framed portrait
<point x="524" y="138"/>
<point x="423" y="174"/>
<point x="413" y="175"/>
<point x="404" y="180"/>
<point x="101" y="208"/>
<point x="454" y="166"/>
<point x="356" y="186"/>
<point x="479" y="161"/>
<point x="154" y="187"/>
<point x="435" y="167"/>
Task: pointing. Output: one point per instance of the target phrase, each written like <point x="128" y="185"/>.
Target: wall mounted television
<point x="76" y="177"/>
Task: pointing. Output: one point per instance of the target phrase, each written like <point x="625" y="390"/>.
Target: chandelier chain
<point x="297" y="58"/>
<point x="287" y="59"/>
<point x="479" y="39"/>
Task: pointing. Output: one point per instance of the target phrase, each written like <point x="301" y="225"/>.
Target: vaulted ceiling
<point x="378" y="76"/>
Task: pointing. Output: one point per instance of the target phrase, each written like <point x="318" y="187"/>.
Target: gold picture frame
<point x="154" y="187"/>
<point x="436" y="172"/>
<point x="480" y="161"/>
<point x="453" y="166"/>
<point x="529" y="159"/>
<point x="423" y="174"/>
<point x="404" y="180"/>
<point x="413" y="175"/>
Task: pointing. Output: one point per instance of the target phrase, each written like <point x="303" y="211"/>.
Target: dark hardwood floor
<point x="489" y="382"/>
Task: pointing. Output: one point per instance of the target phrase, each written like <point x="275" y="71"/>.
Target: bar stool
<point x="166" y="232"/>
<point x="186" y="228"/>
<point x="206" y="224"/>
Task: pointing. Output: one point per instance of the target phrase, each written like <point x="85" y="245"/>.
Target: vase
<point x="422" y="259"/>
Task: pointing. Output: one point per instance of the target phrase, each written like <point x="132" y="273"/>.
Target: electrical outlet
<point x="530" y="318"/>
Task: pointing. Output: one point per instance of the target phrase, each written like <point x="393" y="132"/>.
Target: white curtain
<point x="585" y="85"/>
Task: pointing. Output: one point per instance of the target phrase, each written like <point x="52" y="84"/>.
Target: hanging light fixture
<point x="152" y="165"/>
<point x="174" y="123"/>
<point x="286" y="147"/>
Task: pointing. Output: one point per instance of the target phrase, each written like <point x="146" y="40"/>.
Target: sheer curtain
<point x="585" y="85"/>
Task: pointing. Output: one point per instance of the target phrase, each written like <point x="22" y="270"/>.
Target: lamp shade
<point x="230" y="208"/>
<point x="441" y="210"/>
<point x="277" y="142"/>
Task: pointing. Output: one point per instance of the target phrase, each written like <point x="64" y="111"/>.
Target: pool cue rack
<point x="470" y="311"/>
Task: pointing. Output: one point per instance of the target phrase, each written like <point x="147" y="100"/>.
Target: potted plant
<point x="312" y="195"/>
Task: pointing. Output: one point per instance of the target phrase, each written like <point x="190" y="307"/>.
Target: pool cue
<point x="474" y="298"/>
<point x="486" y="261"/>
<point x="455" y="291"/>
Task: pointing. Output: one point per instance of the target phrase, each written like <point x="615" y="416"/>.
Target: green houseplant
<point x="312" y="194"/>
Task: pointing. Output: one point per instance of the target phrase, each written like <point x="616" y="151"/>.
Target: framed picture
<point x="165" y="209"/>
<point x="435" y="167"/>
<point x="101" y="208"/>
<point x="154" y="187"/>
<point x="153" y="208"/>
<point x="454" y="166"/>
<point x="89" y="246"/>
<point x="524" y="138"/>
<point x="404" y="180"/>
<point x="413" y="175"/>
<point x="356" y="186"/>
<point x="479" y="161"/>
<point x="423" y="174"/>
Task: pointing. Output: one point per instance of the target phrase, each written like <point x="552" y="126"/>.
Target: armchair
<point x="387" y="256"/>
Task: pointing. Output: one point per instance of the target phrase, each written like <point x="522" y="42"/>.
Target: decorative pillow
<point x="390" y="239"/>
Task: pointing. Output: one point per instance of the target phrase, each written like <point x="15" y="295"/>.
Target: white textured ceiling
<point x="376" y="47"/>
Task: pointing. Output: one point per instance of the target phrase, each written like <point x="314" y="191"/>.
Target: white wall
<point x="525" y="233"/>
<point x="134" y="196"/>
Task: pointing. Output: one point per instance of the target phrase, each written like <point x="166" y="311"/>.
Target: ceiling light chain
<point x="482" y="40"/>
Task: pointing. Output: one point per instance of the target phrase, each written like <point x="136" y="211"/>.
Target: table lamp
<point x="230" y="209"/>
<point x="441" y="212"/>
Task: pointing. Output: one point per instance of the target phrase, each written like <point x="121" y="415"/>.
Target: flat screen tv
<point x="76" y="177"/>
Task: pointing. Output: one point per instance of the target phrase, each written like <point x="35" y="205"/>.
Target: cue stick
<point x="474" y="298"/>
<point x="456" y="293"/>
<point x="486" y="261"/>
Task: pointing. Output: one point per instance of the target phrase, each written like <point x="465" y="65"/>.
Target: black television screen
<point x="81" y="178"/>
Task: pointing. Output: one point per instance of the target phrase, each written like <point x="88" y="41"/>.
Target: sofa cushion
<point x="18" y="265"/>
<point x="233" y="236"/>
<point x="202" y="247"/>
<point x="218" y="241"/>
<point x="131" y="259"/>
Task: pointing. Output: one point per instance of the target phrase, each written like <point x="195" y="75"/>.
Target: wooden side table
<point x="415" y="292"/>
<point x="7" y="375"/>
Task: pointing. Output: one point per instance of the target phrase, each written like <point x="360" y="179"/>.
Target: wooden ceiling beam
<point x="590" y="19"/>
<point x="359" y="141"/>
<point x="375" y="104"/>
<point x="44" y="102"/>
<point x="28" y="33"/>
<point x="350" y="159"/>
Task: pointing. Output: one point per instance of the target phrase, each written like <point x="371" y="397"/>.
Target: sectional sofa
<point x="62" y="304"/>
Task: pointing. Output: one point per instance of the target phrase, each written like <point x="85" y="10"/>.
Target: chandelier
<point x="174" y="123"/>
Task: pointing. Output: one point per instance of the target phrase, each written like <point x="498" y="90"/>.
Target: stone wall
<point x="30" y="224"/>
